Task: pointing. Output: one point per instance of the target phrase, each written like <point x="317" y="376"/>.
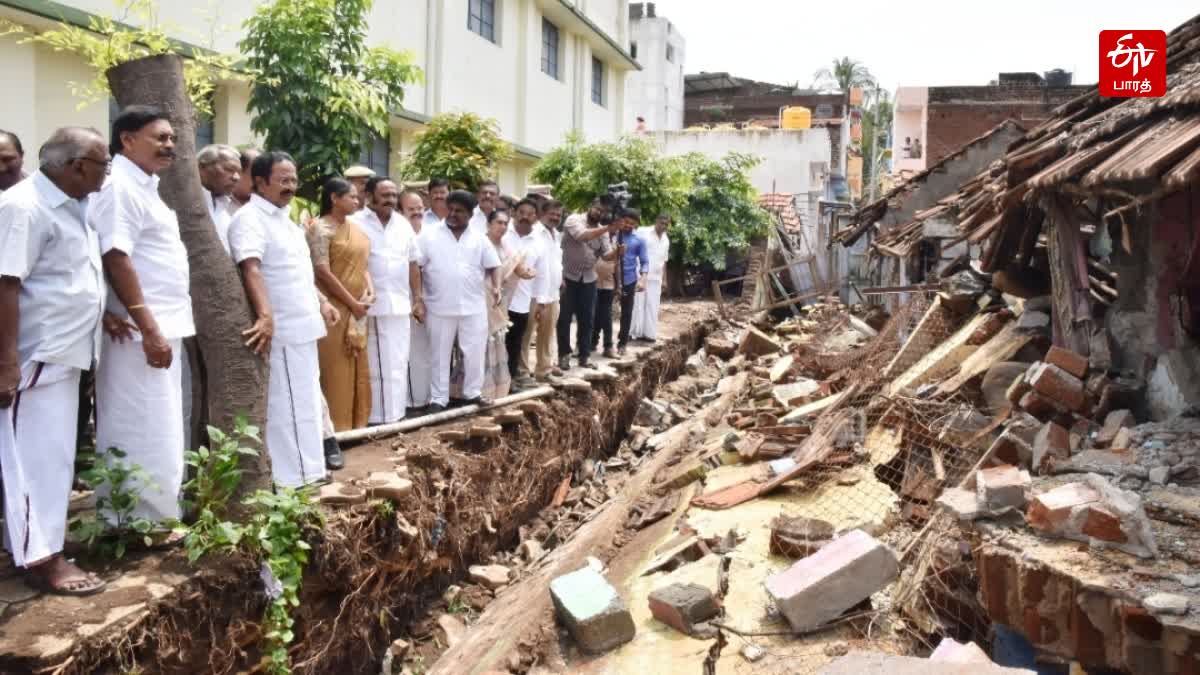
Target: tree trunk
<point x="234" y="379"/>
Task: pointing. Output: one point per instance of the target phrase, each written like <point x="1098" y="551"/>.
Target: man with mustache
<point x="449" y="294"/>
<point x="358" y="176"/>
<point x="51" y="301"/>
<point x="488" y="199"/>
<point x="220" y="171"/>
<point x="12" y="158"/>
<point x="277" y="272"/>
<point x="244" y="188"/>
<point x="439" y="189"/>
<point x="139" y="406"/>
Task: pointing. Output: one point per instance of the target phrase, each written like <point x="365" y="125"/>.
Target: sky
<point x="930" y="43"/>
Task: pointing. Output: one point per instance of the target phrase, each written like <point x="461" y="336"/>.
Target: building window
<point x="375" y="153"/>
<point x="597" y="81"/>
<point x="671" y="53"/>
<point x="481" y="18"/>
<point x="633" y="50"/>
<point x="549" y="49"/>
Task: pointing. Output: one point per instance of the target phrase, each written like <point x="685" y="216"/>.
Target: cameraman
<point x="583" y="242"/>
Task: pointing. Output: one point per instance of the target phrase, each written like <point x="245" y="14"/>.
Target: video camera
<point x="619" y="192"/>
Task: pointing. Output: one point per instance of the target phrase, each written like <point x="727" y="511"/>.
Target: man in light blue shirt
<point x="634" y="264"/>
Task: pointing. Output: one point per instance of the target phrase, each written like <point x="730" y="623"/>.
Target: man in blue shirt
<point x="634" y="264"/>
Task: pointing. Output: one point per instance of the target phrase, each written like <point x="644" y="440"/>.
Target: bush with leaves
<point x="463" y="148"/>
<point x="112" y="527"/>
<point x="722" y="213"/>
<point x="216" y="475"/>
<point x="318" y="86"/>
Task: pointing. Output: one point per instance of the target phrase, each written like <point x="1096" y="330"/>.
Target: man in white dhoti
<point x="389" y="323"/>
<point x="450" y="296"/>
<point x="139" y="395"/>
<point x="51" y="301"/>
<point x="522" y="239"/>
<point x="488" y="199"/>
<point x="277" y="271"/>
<point x="646" y="302"/>
<point x="420" y="370"/>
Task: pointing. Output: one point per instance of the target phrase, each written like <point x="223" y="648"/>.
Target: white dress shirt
<point x="530" y="246"/>
<point x="391" y="249"/>
<point x="658" y="249"/>
<point x="430" y="218"/>
<point x="453" y="270"/>
<point x="478" y="222"/>
<point x="46" y="243"/>
<point x="265" y="231"/>
<point x="550" y="268"/>
<point x="219" y="209"/>
<point x="130" y="217"/>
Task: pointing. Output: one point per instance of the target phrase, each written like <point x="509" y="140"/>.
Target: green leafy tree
<point x="876" y="125"/>
<point x="319" y="88"/>
<point x="722" y="213"/>
<point x="843" y="74"/>
<point x="463" y="148"/>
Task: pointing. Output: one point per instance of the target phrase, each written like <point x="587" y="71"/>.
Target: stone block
<point x="1097" y="513"/>
<point x="756" y="343"/>
<point x="1058" y="385"/>
<point x="798" y="537"/>
<point x="781" y="368"/>
<point x="1001" y="487"/>
<point x="1167" y="603"/>
<point x="451" y="435"/>
<point x="842" y="574"/>
<point x="531" y="550"/>
<point x="342" y="494"/>
<point x="1114" y="422"/>
<point x="1068" y="360"/>
<point x="388" y="485"/>
<point x="453" y="627"/>
<point x="591" y="610"/>
<point x="961" y="503"/>
<point x="489" y="576"/>
<point x="1053" y="442"/>
<point x="486" y="431"/>
<point x="1123" y="441"/>
<point x="720" y="347"/>
<point x="1049" y="510"/>
<point x="796" y="393"/>
<point x="682" y="606"/>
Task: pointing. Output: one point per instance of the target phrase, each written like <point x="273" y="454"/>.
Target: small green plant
<point x="384" y="508"/>
<point x="112" y="527"/>
<point x="217" y="475"/>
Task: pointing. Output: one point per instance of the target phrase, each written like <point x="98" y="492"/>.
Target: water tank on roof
<point x="1058" y="78"/>
<point x="796" y="117"/>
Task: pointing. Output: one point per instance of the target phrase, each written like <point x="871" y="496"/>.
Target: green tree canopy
<point x="463" y="148"/>
<point x="711" y="201"/>
<point x="843" y="74"/>
<point x="319" y="88"/>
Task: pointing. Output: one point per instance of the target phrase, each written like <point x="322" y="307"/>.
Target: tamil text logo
<point x="1133" y="63"/>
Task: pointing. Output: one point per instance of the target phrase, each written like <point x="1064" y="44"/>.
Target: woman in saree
<point x="339" y="253"/>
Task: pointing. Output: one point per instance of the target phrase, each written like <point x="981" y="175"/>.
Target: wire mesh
<point x="887" y="449"/>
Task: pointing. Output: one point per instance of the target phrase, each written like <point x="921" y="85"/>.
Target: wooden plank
<point x="887" y="290"/>
<point x="1000" y="348"/>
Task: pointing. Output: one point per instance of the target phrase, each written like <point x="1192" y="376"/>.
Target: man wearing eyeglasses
<point x="139" y="407"/>
<point x="51" y="301"/>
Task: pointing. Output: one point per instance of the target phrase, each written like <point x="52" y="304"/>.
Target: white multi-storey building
<point x="541" y="68"/>
<point x="656" y="92"/>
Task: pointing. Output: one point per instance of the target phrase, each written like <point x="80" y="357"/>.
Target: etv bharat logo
<point x="1133" y="63"/>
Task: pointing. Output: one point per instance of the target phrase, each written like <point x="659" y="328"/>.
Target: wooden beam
<point x="887" y="290"/>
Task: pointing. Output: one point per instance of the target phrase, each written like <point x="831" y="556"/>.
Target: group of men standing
<point x="94" y="277"/>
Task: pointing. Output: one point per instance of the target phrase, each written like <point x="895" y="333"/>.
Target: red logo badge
<point x="1133" y="63"/>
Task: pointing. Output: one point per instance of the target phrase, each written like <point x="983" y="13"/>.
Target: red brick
<point x="1114" y="422"/>
<point x="1087" y="641"/>
<point x="1058" y="385"/>
<point x="1001" y="487"/>
<point x="1048" y="510"/>
<point x="1052" y="443"/>
<point x="1103" y="525"/>
<point x="1040" y="406"/>
<point x="682" y="606"/>
<point x="1068" y="360"/>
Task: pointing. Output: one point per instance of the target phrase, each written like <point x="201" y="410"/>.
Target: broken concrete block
<point x="1068" y="360"/>
<point x="388" y="485"/>
<point x="842" y="574"/>
<point x="489" y="576"/>
<point x="1114" y="422"/>
<point x="796" y="393"/>
<point x="1167" y="603"/>
<point x="960" y="503"/>
<point x="1012" y="447"/>
<point x="781" y="368"/>
<point x="1001" y="487"/>
<point x="997" y="381"/>
<point x="798" y="537"/>
<point x="756" y="343"/>
<point x="509" y="417"/>
<point x="652" y="414"/>
<point x="720" y="347"/>
<point x="950" y="650"/>
<point x="453" y="627"/>
<point x="1053" y="442"/>
<point x="859" y="662"/>
<point x="1033" y="321"/>
<point x="1123" y="442"/>
<point x="683" y="606"/>
<point x="1097" y="513"/>
<point x="591" y="610"/>
<point x="531" y="550"/>
<point x="342" y="494"/>
<point x="1058" y="385"/>
<point x="1159" y="475"/>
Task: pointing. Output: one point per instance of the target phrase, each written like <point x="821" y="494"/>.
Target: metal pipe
<point x="373" y="433"/>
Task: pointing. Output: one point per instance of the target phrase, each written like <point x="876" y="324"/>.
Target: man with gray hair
<point x="51" y="303"/>
<point x="220" y="171"/>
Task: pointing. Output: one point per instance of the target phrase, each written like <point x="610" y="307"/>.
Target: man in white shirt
<point x="545" y="313"/>
<point x="645" y="304"/>
<point x="240" y="194"/>
<point x="389" y="326"/>
<point x="488" y="199"/>
<point x="358" y="176"/>
<point x="450" y="295"/>
<point x="439" y="189"/>
<point x="51" y="302"/>
<point x="277" y="271"/>
<point x="12" y="160"/>
<point x="220" y="170"/>
<point x="139" y="377"/>
<point x="523" y="240"/>
<point x="420" y="371"/>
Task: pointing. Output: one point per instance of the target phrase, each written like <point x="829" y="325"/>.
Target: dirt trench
<point x="374" y="570"/>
